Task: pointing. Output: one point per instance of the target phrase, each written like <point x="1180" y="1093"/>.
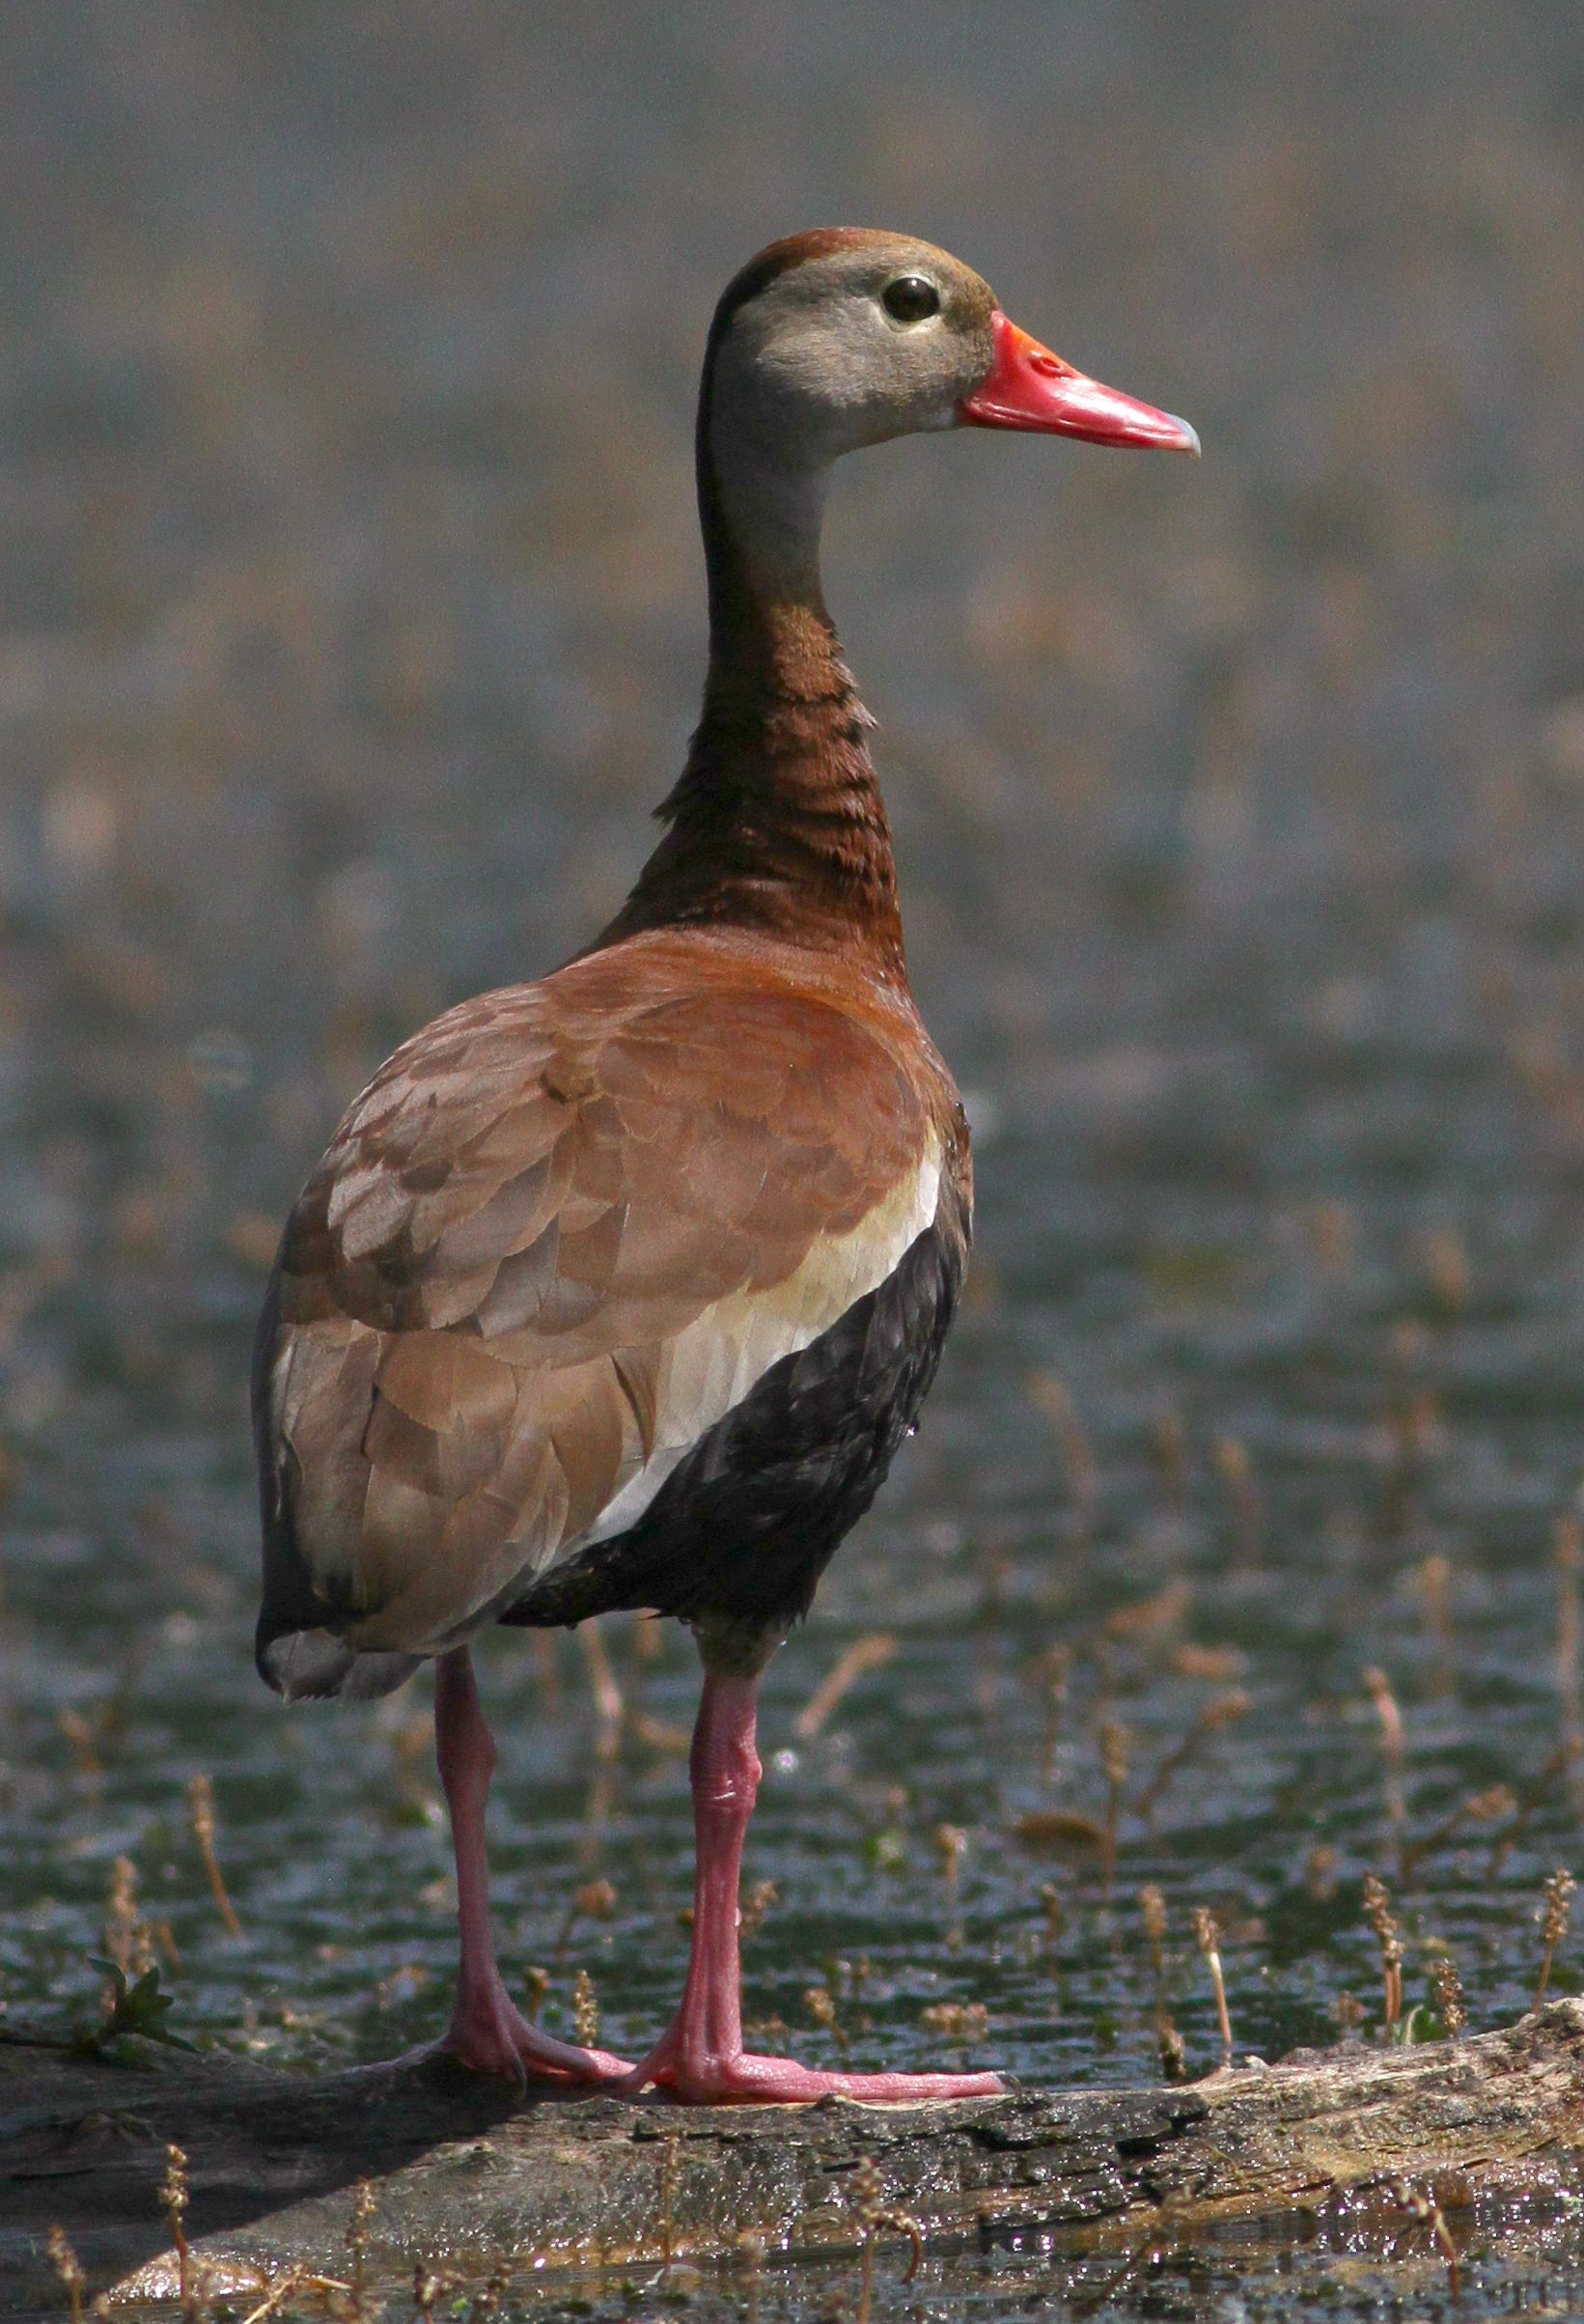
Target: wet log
<point x="466" y="2176"/>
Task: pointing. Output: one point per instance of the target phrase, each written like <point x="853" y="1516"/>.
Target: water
<point x="349" y="622"/>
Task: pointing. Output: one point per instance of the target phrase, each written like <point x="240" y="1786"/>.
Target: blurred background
<point x="351" y="623"/>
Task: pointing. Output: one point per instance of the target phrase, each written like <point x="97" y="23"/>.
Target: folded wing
<point x="561" y="1233"/>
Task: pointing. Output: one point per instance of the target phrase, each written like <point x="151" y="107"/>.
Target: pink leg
<point x="700" y="2057"/>
<point x="487" y="2031"/>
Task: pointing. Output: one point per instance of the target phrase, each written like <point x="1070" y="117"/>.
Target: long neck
<point x="777" y="822"/>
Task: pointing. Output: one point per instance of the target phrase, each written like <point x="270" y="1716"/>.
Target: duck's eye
<point x="910" y="298"/>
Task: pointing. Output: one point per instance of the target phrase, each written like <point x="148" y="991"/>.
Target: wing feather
<point x="564" y="1230"/>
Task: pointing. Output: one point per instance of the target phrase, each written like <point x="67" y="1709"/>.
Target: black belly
<point x="747" y="1522"/>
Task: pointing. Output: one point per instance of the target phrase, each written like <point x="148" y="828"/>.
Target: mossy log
<point x="468" y="2178"/>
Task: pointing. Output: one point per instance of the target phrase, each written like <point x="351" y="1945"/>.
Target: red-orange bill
<point x="1029" y="387"/>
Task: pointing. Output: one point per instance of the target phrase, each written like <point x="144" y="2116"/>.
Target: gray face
<point x="850" y="347"/>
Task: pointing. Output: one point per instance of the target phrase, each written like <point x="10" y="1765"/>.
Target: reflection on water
<point x="349" y="622"/>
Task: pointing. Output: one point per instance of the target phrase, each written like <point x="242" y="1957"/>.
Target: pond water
<point x="349" y="620"/>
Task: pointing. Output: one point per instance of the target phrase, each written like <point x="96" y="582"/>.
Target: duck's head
<point x="844" y="337"/>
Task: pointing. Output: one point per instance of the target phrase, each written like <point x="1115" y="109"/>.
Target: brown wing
<point x="563" y="1230"/>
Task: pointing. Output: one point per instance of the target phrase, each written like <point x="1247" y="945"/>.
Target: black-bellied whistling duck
<point x="621" y="1290"/>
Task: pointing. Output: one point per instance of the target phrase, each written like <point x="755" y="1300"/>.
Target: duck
<point x="621" y="1290"/>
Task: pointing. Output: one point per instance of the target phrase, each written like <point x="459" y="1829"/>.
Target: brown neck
<point x="777" y="823"/>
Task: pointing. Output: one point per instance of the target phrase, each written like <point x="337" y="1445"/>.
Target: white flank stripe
<point x="715" y="1364"/>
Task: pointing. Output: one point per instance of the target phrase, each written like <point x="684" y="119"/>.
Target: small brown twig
<point x="755" y="1906"/>
<point x="1377" y="1912"/>
<point x="68" y="2268"/>
<point x="1052" y="1672"/>
<point x="1147" y="1622"/>
<point x="201" y="1803"/>
<point x="1235" y="1470"/>
<point x="1208" y="1937"/>
<point x="1393" y="1752"/>
<point x="82" y="1738"/>
<point x="951" y="1841"/>
<point x="1534" y="1796"/>
<point x="868" y="2188"/>
<point x="1433" y="1579"/>
<point x="329" y="2293"/>
<point x="658" y="1734"/>
<point x="1349" y="2013"/>
<point x="1169" y="1451"/>
<point x="128" y="1940"/>
<point x="1332" y="1238"/>
<point x="1486" y="1806"/>
<point x="1424" y="2211"/>
<point x="871" y="1652"/>
<point x="1446" y="1267"/>
<point x="1449" y="2004"/>
<point x="1152" y="1904"/>
<point x="1116" y="1745"/>
<point x="752" y="2244"/>
<point x="1219" y="1712"/>
<point x="1553" y="1919"/>
<point x="821" y="2003"/>
<point x="1149" y="2252"/>
<point x="487" y="2301"/>
<point x="1173" y="2051"/>
<point x="963" y="2024"/>
<point x="357" y="2240"/>
<point x="607" y="1694"/>
<point x="429" y="2286"/>
<point x="585" y="2009"/>
<point x="174" y="2195"/>
<point x="1051" y="1396"/>
<point x="1411" y="1429"/>
<point x="595" y="1900"/>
